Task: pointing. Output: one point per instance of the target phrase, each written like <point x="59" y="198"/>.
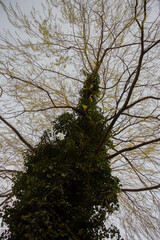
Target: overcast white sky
<point x="26" y="6"/>
<point x="23" y="4"/>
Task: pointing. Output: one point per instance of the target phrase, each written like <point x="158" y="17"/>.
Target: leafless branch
<point x="140" y="189"/>
<point x="17" y="133"/>
<point x="134" y="147"/>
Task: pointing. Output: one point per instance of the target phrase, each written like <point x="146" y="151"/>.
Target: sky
<point x="25" y="5"/>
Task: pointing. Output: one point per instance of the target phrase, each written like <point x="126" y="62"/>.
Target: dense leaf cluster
<point x="66" y="190"/>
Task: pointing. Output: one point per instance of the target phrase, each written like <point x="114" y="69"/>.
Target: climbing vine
<point x="66" y="190"/>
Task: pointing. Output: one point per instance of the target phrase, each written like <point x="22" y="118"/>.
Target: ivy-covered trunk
<point x="67" y="190"/>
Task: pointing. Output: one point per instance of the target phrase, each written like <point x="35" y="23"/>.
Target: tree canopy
<point x="48" y="61"/>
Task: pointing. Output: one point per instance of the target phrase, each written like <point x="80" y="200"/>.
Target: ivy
<point x="66" y="190"/>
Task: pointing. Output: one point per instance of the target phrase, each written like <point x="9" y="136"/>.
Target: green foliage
<point x="66" y="190"/>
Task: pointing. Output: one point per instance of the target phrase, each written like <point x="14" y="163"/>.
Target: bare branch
<point x="138" y="70"/>
<point x="133" y="148"/>
<point x="1" y="91"/>
<point x="32" y="84"/>
<point x="17" y="133"/>
<point x="142" y="99"/>
<point x="140" y="189"/>
<point x="152" y="45"/>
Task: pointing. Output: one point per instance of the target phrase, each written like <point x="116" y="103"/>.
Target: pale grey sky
<point x="23" y="4"/>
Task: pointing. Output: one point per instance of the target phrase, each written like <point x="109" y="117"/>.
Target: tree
<point x="41" y="73"/>
<point x="66" y="190"/>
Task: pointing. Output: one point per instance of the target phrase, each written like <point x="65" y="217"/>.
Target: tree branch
<point x="30" y="83"/>
<point x="134" y="147"/>
<point x="123" y="108"/>
<point x="17" y="133"/>
<point x="140" y="189"/>
<point x="142" y="99"/>
<point x="152" y="45"/>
